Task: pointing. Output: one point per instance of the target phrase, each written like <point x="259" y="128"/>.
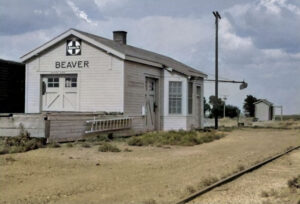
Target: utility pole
<point x="217" y="17"/>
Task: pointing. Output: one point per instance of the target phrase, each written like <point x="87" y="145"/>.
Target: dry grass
<point x="208" y="181"/>
<point x="147" y="172"/>
<point x="106" y="147"/>
<point x="181" y="138"/>
<point x="21" y="143"/>
<point x="294" y="182"/>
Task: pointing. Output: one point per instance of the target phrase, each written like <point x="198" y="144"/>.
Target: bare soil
<point x="145" y="175"/>
<point x="267" y="185"/>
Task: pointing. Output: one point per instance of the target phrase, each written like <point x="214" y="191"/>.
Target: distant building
<point x="12" y="86"/>
<point x="264" y="110"/>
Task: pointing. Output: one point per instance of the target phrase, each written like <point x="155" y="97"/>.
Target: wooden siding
<point x="134" y="89"/>
<point x="32" y="87"/>
<point x="100" y="87"/>
<point x="193" y="119"/>
<point x="262" y="111"/>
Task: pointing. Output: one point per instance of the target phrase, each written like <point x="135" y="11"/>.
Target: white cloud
<point x="102" y="4"/>
<point x="81" y="14"/>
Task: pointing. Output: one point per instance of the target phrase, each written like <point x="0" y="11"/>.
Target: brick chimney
<point x="120" y="36"/>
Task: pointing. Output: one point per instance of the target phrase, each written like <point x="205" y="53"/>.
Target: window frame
<point x="175" y="98"/>
<point x="53" y="82"/>
<point x="71" y="82"/>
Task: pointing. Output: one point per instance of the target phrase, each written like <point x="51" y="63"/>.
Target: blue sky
<point x="259" y="39"/>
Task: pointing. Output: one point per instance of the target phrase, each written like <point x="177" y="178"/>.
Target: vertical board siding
<point x="193" y="119"/>
<point x="100" y="86"/>
<point x="261" y="111"/>
<point x="32" y="87"/>
<point x="134" y="89"/>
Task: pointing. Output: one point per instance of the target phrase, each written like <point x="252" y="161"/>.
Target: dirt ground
<point x="266" y="185"/>
<point x="145" y="175"/>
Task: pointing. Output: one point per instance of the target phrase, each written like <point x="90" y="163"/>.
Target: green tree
<point x="207" y="107"/>
<point x="231" y="111"/>
<point x="218" y="105"/>
<point x="249" y="105"/>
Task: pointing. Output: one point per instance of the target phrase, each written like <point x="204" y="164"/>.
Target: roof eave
<point x="64" y="35"/>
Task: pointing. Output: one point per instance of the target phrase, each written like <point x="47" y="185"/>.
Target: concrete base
<point x="32" y="123"/>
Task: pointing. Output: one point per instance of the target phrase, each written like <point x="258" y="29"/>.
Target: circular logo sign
<point x="73" y="47"/>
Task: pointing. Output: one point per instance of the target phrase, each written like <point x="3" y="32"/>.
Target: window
<point x="190" y="98"/>
<point x="71" y="82"/>
<point x="53" y="82"/>
<point x="175" y="97"/>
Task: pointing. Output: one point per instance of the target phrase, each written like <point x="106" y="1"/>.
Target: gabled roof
<point x="264" y="101"/>
<point x="122" y="51"/>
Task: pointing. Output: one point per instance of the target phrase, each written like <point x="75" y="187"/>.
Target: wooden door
<point x="59" y="93"/>
<point x="151" y="103"/>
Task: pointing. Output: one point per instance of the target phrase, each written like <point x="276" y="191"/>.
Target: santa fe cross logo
<point x="74" y="47"/>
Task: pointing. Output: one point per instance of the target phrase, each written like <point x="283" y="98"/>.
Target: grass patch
<point x="127" y="150"/>
<point x="207" y="182"/>
<point x="150" y="201"/>
<point x="270" y="193"/>
<point x="85" y="145"/>
<point x="21" y="143"/>
<point x="190" y="189"/>
<point x="97" y="138"/>
<point x="54" y="145"/>
<point x="294" y="182"/>
<point x="106" y="147"/>
<point x="181" y="137"/>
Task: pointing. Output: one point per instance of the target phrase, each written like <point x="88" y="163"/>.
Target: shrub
<point x="190" y="189"/>
<point x="207" y="182"/>
<point x="127" y="150"/>
<point x="98" y="138"/>
<point x="54" y="145"/>
<point x="150" y="201"/>
<point x="4" y="150"/>
<point x="17" y="149"/>
<point x="294" y="182"/>
<point x="21" y="143"/>
<point x="264" y="194"/>
<point x="85" y="145"/>
<point x="240" y="167"/>
<point x="69" y="144"/>
<point x="184" y="138"/>
<point x="106" y="147"/>
<point x="10" y="159"/>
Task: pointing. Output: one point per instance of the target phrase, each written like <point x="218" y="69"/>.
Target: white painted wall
<point x="100" y="87"/>
<point x="174" y="121"/>
<point x="262" y="111"/>
<point x="32" y="87"/>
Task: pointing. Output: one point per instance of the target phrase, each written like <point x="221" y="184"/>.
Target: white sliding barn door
<point x="59" y="93"/>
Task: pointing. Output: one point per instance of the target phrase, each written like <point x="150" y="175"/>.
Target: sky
<point x="259" y="40"/>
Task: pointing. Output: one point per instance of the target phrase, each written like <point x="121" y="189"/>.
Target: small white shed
<point x="264" y="110"/>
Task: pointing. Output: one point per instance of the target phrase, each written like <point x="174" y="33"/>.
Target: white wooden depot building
<point x="78" y="72"/>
